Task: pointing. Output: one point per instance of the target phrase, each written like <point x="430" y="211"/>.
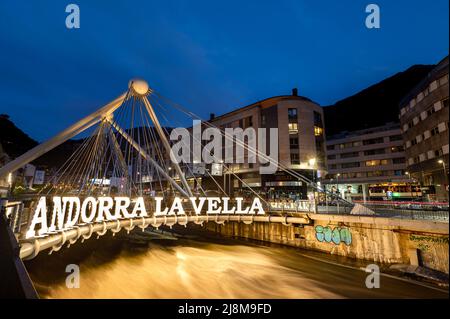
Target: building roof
<point x="269" y="100"/>
<point x="346" y="134"/>
<point x="440" y="70"/>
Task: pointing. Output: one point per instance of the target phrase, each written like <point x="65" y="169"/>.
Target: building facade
<point x="301" y="147"/>
<point x="424" y="121"/>
<point x="369" y="164"/>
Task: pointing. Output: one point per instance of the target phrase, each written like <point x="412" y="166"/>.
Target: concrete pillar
<point x="414" y="256"/>
<point x="364" y="191"/>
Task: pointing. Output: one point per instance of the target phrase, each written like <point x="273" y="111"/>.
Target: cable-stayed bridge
<point x="127" y="161"/>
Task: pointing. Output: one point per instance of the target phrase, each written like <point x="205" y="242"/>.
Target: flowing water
<point x="196" y="269"/>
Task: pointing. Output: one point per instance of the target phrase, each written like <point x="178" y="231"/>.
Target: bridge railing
<point x="438" y="211"/>
<point x="14" y="212"/>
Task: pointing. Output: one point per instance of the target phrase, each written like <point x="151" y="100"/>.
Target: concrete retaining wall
<point x="381" y="240"/>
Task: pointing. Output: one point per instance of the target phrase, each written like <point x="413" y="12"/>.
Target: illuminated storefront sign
<point x="68" y="212"/>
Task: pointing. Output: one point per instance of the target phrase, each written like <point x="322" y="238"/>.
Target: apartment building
<point x="301" y="142"/>
<point x="369" y="164"/>
<point x="424" y="120"/>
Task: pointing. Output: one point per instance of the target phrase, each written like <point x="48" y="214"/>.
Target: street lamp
<point x="337" y="188"/>
<point x="337" y="183"/>
<point x="445" y="173"/>
<point x="224" y="177"/>
<point x="411" y="180"/>
<point x="312" y="163"/>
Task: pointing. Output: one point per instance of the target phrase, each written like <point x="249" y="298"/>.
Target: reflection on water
<point x="212" y="271"/>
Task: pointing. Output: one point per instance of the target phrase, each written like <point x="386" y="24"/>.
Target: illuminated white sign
<point x="68" y="212"/>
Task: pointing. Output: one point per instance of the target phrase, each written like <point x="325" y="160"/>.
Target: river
<point x="194" y="268"/>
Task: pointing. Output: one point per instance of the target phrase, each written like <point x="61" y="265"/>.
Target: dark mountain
<point x="14" y="141"/>
<point x="56" y="157"/>
<point x="376" y="105"/>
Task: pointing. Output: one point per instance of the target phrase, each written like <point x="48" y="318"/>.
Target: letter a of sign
<point x="373" y="19"/>
<point x="73" y="19"/>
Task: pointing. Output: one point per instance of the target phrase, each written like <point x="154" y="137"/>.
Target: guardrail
<point x="307" y="206"/>
<point x="15" y="282"/>
<point x="410" y="210"/>
<point x="14" y="213"/>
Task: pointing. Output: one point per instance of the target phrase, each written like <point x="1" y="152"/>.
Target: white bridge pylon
<point x="138" y="89"/>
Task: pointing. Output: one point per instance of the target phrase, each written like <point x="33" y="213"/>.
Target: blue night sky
<point x="209" y="56"/>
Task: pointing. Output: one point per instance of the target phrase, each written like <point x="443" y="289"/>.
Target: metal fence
<point x="409" y="210"/>
<point x="402" y="210"/>
<point x="14" y="214"/>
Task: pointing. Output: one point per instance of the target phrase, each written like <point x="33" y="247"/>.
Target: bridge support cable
<point x="256" y="152"/>
<point x="68" y="164"/>
<point x="129" y="143"/>
<point x="228" y="168"/>
<point x="146" y="156"/>
<point x="63" y="136"/>
<point x="168" y="119"/>
<point x="355" y="208"/>
<point x="165" y="142"/>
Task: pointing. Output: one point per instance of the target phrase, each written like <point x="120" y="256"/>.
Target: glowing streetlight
<point x="408" y="174"/>
<point x="445" y="172"/>
<point x="337" y="189"/>
<point x="337" y="183"/>
<point x="312" y="163"/>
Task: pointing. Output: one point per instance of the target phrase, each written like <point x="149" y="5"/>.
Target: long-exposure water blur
<point x="192" y="268"/>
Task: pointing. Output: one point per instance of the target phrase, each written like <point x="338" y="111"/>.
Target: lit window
<point x="377" y="162"/>
<point x="318" y="131"/>
<point x="293" y="128"/>
<point x="373" y="163"/>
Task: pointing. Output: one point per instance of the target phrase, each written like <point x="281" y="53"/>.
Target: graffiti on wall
<point x="432" y="239"/>
<point x="424" y="242"/>
<point x="335" y="235"/>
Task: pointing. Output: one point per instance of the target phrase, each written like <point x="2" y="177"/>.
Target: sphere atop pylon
<point x="138" y="87"/>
